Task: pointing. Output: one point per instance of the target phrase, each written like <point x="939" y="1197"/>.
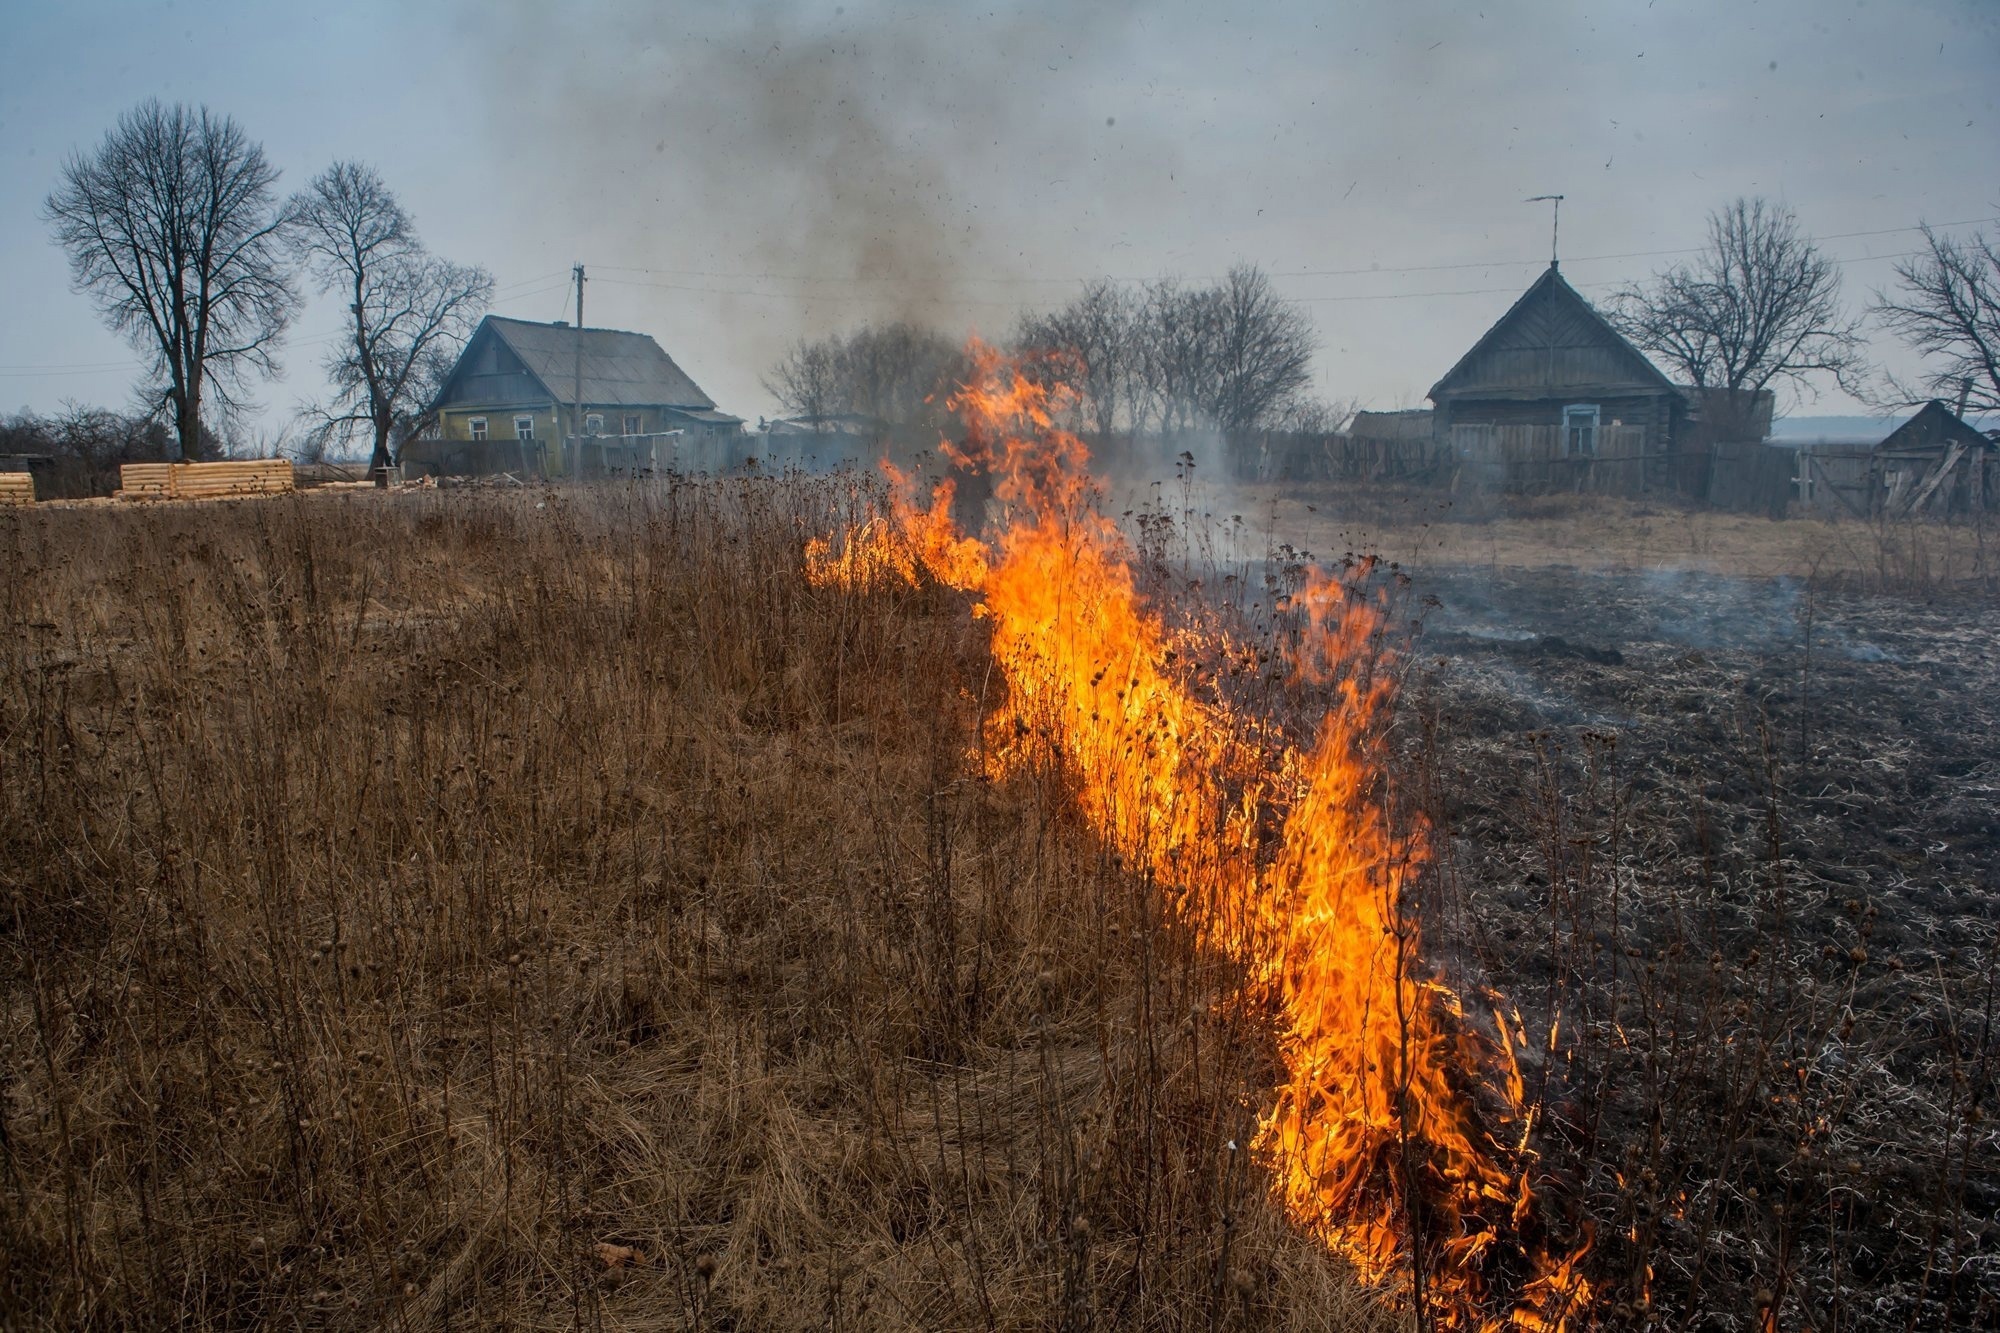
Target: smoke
<point x="786" y="169"/>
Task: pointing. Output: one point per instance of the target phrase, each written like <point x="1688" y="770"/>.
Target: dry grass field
<point x="548" y="909"/>
<point x="545" y="910"/>
<point x="1422" y="528"/>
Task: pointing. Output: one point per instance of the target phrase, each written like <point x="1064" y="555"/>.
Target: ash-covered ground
<point x="1738" y="840"/>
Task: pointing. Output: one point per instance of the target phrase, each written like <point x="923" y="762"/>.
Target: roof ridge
<point x="1550" y="276"/>
<point x="565" y="324"/>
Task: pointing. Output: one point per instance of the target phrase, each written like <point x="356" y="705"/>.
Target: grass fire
<point x="971" y="668"/>
<point x="1267" y="828"/>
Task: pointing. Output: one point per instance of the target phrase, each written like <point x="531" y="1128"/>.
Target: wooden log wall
<point x="17" y="488"/>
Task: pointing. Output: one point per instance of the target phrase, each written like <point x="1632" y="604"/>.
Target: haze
<point x="734" y="178"/>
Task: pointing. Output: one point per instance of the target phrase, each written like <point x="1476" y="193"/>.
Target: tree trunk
<point x="379" y="462"/>
<point x="187" y="424"/>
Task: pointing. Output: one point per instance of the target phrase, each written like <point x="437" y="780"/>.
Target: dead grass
<point x="544" y="910"/>
<point x="1423" y="529"/>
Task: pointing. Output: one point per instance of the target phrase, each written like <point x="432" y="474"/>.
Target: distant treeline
<point x="1166" y="357"/>
<point x="78" y="450"/>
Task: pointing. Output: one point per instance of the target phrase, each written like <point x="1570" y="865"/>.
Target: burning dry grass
<point x="1235" y="755"/>
<point x="526" y="909"/>
<point x="535" y="910"/>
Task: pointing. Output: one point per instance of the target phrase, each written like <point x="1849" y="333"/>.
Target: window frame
<point x="527" y="437"/>
<point x="633" y="423"/>
<point x="593" y="423"/>
<point x="475" y="428"/>
<point x="1576" y="412"/>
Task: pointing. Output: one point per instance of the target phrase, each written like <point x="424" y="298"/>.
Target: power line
<point x="559" y="281"/>
<point x="859" y="280"/>
<point x="846" y="297"/>
<point x="887" y="298"/>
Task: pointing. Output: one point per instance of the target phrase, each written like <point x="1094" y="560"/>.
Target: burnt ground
<point x="1739" y="839"/>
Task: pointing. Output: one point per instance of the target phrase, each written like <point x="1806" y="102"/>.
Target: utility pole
<point x="576" y="387"/>
<point x="1555" y="222"/>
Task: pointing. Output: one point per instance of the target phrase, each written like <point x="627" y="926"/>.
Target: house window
<point x="476" y="427"/>
<point x="593" y="423"/>
<point x="631" y="424"/>
<point x="524" y="428"/>
<point x="1580" y="430"/>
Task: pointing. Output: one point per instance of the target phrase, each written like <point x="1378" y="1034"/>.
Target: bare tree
<point x="1306" y="415"/>
<point x="1759" y="305"/>
<point x="1229" y="357"/>
<point x="1263" y="349"/>
<point x="898" y="373"/>
<point x="1947" y="306"/>
<point x="805" y="382"/>
<point x="1177" y="352"/>
<point x="172" y="227"/>
<point x="1100" y="330"/>
<point x="408" y="311"/>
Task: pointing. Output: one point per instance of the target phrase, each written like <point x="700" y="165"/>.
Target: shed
<point x="1934" y="463"/>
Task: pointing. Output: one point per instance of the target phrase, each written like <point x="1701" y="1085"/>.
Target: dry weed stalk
<point x="546" y="909"/>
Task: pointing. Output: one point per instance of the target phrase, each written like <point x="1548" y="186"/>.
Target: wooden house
<point x="1554" y="398"/>
<point x="551" y="399"/>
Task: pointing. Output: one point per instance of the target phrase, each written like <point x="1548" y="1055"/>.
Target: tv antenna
<point x="1555" y="202"/>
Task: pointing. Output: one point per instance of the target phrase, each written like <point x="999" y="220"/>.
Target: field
<point x="551" y="909"/>
<point x="546" y="910"/>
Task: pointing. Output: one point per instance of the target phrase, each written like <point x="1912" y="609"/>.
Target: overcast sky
<point x="737" y="175"/>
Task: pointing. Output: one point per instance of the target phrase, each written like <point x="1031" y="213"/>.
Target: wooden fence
<point x="17" y="488"/>
<point x="1534" y="459"/>
<point x="1751" y="477"/>
<point x="1860" y="481"/>
<point x="204" y="481"/>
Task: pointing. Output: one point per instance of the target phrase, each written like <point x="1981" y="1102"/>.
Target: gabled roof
<point x="1933" y="427"/>
<point x="619" y="369"/>
<point x="1552" y="291"/>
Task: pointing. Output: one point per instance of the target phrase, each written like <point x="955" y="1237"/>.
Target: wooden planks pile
<point x="204" y="481"/>
<point x="16" y="488"/>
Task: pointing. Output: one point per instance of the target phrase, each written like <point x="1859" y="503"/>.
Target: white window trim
<point x="475" y="427"/>
<point x="1596" y="414"/>
<point x="593" y="423"/>
<point x="530" y="435"/>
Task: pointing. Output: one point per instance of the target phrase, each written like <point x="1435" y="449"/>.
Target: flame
<point x="1279" y="839"/>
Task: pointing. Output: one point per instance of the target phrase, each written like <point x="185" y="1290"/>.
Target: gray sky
<point x="735" y="176"/>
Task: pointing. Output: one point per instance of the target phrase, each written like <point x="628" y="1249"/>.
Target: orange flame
<point x="1375" y="1139"/>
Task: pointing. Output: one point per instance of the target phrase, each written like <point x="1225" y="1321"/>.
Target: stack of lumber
<point x="145" y="481"/>
<point x="204" y="481"/>
<point x="16" y="488"/>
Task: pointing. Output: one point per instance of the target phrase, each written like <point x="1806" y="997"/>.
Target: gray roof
<point x="707" y="414"/>
<point x="619" y="369"/>
<point x="1554" y="289"/>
